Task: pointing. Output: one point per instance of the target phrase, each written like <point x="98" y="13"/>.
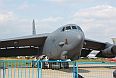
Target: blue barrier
<point x="36" y="69"/>
<point x="55" y="69"/>
<point x="75" y="70"/>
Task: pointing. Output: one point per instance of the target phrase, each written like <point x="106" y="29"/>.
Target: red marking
<point x="111" y="59"/>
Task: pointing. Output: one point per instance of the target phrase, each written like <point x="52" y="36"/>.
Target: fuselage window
<point x="74" y="27"/>
<point x="68" y="28"/>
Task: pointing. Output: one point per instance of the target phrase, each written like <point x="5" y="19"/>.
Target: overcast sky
<point x="97" y="18"/>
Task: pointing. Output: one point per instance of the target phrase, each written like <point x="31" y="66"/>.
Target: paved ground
<point x="87" y="71"/>
<point x="97" y="70"/>
<point x="32" y="73"/>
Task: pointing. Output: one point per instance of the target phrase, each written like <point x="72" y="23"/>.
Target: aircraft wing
<point x="22" y="46"/>
<point x="105" y="49"/>
<point x="95" y="45"/>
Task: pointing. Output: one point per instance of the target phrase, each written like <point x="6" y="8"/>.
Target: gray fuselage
<point x="67" y="39"/>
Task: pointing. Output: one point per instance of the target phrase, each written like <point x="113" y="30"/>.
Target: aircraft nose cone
<point x="77" y="39"/>
<point x="80" y="37"/>
<point x="75" y="44"/>
<point x="73" y="40"/>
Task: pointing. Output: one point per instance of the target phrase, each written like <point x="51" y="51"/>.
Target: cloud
<point x="68" y="1"/>
<point x="12" y="25"/>
<point x="24" y="6"/>
<point x="104" y="11"/>
<point x="97" y="21"/>
<point x="48" y="24"/>
<point x="1" y="2"/>
<point x="51" y="19"/>
<point x="58" y="1"/>
<point x="6" y="16"/>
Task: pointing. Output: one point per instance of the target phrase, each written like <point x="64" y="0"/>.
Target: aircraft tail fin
<point x="114" y="40"/>
<point x="33" y="28"/>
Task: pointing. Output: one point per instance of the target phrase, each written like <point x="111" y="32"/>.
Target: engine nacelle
<point x="109" y="52"/>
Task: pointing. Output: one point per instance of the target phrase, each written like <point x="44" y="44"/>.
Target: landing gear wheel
<point x="65" y="65"/>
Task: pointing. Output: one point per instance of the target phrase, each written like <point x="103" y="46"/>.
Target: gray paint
<point x="75" y="39"/>
<point x="58" y="43"/>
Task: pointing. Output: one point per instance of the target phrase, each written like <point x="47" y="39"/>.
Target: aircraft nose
<point x="75" y="45"/>
<point x="73" y="40"/>
<point x="77" y="39"/>
<point x="80" y="37"/>
<point x="72" y="44"/>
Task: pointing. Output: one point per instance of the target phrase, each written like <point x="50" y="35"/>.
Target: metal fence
<point x="37" y="69"/>
<point x="96" y="69"/>
<point x="59" y="69"/>
<point x="17" y="69"/>
<point x="55" y="69"/>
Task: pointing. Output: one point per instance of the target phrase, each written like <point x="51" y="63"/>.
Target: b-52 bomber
<point x="68" y="40"/>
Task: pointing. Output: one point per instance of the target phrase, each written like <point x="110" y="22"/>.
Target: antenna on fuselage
<point x="33" y="27"/>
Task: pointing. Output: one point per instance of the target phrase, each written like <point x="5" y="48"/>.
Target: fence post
<point x="39" y="63"/>
<point x="75" y="70"/>
<point x="3" y="69"/>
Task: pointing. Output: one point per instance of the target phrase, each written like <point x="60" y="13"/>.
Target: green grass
<point x="15" y="63"/>
<point x="18" y="63"/>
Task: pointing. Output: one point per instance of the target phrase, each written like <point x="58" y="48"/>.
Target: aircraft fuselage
<point x="67" y="40"/>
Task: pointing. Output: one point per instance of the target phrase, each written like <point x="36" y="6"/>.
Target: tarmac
<point x="87" y="71"/>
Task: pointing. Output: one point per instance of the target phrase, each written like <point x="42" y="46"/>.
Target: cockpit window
<point x="71" y="28"/>
<point x="74" y="27"/>
<point x="63" y="28"/>
<point x="68" y="28"/>
<point x="79" y="28"/>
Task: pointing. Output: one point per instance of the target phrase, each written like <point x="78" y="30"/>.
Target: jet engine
<point x="109" y="52"/>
